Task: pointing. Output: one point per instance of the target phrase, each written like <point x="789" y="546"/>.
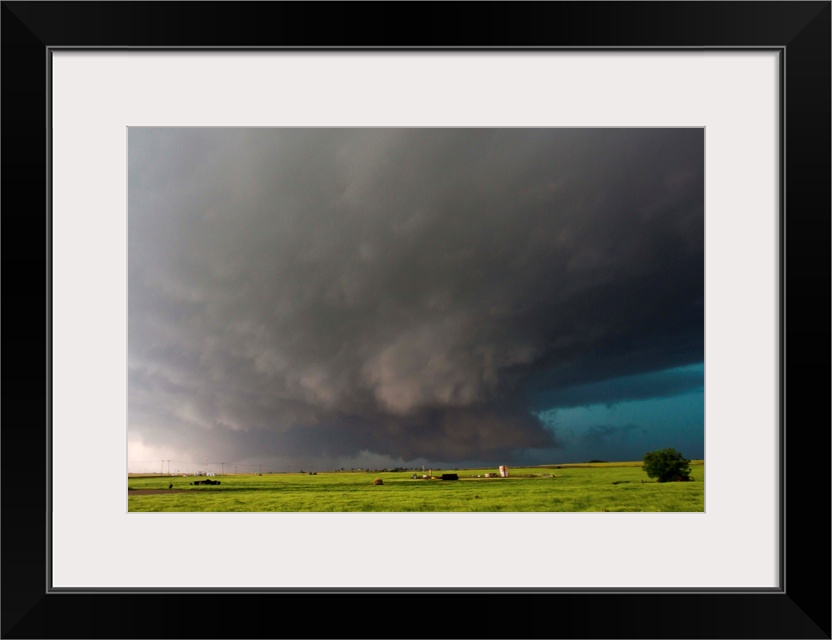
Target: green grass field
<point x="609" y="486"/>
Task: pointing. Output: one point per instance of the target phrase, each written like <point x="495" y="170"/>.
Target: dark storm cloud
<point x="401" y="291"/>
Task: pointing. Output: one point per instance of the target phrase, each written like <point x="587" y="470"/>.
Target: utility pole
<point x="261" y="469"/>
<point x="222" y="469"/>
<point x="162" y="470"/>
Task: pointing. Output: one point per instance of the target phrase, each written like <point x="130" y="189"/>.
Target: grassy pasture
<point x="619" y="486"/>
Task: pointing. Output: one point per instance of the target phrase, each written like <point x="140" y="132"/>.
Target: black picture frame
<point x="800" y="608"/>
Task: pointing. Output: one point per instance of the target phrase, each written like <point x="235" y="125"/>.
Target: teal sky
<point x="641" y="413"/>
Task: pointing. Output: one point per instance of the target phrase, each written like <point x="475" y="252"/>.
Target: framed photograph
<point x="605" y="205"/>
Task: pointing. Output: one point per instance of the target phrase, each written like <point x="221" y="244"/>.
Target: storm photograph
<point x="416" y="310"/>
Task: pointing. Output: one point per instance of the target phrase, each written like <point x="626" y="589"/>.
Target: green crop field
<point x="605" y="486"/>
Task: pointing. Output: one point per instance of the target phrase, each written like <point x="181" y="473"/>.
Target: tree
<point x="666" y="465"/>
